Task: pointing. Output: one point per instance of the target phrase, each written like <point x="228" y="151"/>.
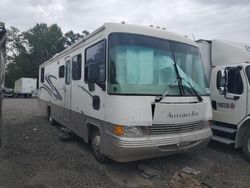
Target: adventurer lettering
<point x="182" y="115"/>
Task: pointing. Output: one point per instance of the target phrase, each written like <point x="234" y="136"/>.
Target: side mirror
<point x="222" y="90"/>
<point x="96" y="73"/>
<point x="221" y="82"/>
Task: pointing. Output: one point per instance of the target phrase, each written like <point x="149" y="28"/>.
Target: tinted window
<point x="67" y="72"/>
<point x="77" y="67"/>
<point x="248" y="73"/>
<point x="220" y="81"/>
<point x="42" y="75"/>
<point x="61" y="71"/>
<point x="234" y="82"/>
<point x="96" y="55"/>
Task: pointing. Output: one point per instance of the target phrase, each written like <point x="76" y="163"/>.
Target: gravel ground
<point x="33" y="156"/>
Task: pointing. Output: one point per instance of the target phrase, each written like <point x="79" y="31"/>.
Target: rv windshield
<point x="190" y="67"/>
<point x="144" y="65"/>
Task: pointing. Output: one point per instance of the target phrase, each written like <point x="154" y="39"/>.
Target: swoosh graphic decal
<point x="47" y="89"/>
<point x="51" y="89"/>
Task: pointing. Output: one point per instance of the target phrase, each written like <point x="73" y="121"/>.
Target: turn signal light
<point x="119" y="130"/>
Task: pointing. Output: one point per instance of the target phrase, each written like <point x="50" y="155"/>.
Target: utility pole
<point x="2" y="70"/>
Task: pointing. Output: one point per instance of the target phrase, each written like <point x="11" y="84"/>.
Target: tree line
<point x="25" y="51"/>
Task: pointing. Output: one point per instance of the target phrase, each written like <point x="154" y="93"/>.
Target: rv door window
<point x="234" y="82"/>
<point x="42" y="75"/>
<point x="77" y="67"/>
<point x="96" y="55"/>
<point x="67" y="76"/>
<point x="61" y="71"/>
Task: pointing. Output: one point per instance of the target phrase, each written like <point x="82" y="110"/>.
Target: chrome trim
<point x="176" y="128"/>
<point x="124" y="149"/>
<point x="162" y="140"/>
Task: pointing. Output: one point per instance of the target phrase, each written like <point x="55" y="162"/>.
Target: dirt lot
<point x="33" y="156"/>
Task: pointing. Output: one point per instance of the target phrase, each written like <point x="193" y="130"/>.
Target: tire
<point x="95" y="145"/>
<point x="50" y="118"/>
<point x="246" y="144"/>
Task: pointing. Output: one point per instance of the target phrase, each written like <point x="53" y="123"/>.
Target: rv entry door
<point x="67" y="92"/>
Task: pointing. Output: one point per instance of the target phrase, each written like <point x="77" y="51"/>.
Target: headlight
<point x="132" y="131"/>
<point x="120" y="130"/>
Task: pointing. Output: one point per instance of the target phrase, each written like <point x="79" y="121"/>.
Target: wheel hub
<point x="96" y="143"/>
<point x="50" y="118"/>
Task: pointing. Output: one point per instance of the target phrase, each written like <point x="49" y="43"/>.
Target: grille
<point x="176" y="128"/>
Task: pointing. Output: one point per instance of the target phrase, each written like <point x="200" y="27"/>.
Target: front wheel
<point x="246" y="144"/>
<point x="96" y="145"/>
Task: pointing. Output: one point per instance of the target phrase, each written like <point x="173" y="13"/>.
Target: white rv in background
<point x="25" y="87"/>
<point x="133" y="92"/>
<point x="227" y="66"/>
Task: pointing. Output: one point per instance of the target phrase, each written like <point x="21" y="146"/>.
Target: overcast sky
<point x="224" y="19"/>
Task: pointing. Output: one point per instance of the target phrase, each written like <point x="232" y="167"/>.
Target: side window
<point x="96" y="55"/>
<point x="220" y="81"/>
<point x="77" y="67"/>
<point x="248" y="73"/>
<point x="234" y="82"/>
<point x="61" y="71"/>
<point x="42" y="75"/>
<point x="67" y="72"/>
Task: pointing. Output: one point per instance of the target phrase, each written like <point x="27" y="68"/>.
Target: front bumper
<point x="124" y="149"/>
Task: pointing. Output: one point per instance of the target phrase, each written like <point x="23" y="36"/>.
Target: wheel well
<point x="243" y="129"/>
<point x="91" y="129"/>
<point x="48" y="110"/>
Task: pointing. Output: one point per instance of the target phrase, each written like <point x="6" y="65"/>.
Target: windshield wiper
<point x="193" y="89"/>
<point x="158" y="99"/>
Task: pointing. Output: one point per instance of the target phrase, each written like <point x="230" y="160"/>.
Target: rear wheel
<point x="246" y="144"/>
<point x="51" y="120"/>
<point x="96" y="146"/>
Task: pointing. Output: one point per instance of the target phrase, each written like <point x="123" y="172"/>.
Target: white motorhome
<point x="25" y="87"/>
<point x="227" y="66"/>
<point x="133" y="92"/>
